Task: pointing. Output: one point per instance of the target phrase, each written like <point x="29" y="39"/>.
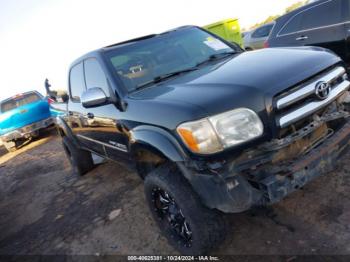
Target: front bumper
<point x="232" y="192"/>
<point x="319" y="161"/>
<point x="26" y="131"/>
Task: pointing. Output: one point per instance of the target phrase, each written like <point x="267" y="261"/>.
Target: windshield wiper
<point x="161" y="78"/>
<point x="216" y="57"/>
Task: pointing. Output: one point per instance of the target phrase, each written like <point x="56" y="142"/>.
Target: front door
<point x="77" y="114"/>
<point x="324" y="26"/>
<point x="108" y="135"/>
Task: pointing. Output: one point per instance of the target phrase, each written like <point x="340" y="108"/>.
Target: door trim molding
<point x="104" y="144"/>
<point x="315" y="28"/>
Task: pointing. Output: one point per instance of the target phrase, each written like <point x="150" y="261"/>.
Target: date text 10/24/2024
<point x="173" y="258"/>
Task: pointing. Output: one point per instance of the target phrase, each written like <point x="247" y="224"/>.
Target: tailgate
<point x="24" y="115"/>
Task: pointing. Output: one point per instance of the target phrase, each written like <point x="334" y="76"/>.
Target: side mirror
<point x="94" y="97"/>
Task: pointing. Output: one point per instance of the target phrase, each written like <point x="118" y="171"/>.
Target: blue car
<point x="22" y="117"/>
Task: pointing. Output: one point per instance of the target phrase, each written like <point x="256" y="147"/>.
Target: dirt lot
<point x="46" y="210"/>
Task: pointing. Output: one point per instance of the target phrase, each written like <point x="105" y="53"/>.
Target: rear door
<point x="322" y="24"/>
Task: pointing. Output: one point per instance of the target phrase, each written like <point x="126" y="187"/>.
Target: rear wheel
<point x="81" y="160"/>
<point x="189" y="226"/>
<point x="10" y="146"/>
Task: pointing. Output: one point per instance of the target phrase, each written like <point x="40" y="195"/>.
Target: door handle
<point x="90" y="115"/>
<point x="300" y="38"/>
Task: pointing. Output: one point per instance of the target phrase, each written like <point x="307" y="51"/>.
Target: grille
<point x="302" y="101"/>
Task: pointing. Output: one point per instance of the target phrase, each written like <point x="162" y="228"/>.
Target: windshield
<point x="140" y="62"/>
<point x="18" y="101"/>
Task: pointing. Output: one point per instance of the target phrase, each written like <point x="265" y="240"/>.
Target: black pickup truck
<point x="210" y="129"/>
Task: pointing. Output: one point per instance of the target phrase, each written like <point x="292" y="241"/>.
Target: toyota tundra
<point x="210" y="129"/>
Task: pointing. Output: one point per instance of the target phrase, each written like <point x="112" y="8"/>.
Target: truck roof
<point x="109" y="47"/>
<point x="146" y="37"/>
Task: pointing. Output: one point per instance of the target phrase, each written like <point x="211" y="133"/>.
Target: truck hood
<point x="249" y="79"/>
<point x="23" y="116"/>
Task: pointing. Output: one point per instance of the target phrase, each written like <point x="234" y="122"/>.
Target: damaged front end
<point x="303" y="149"/>
<point x="281" y="166"/>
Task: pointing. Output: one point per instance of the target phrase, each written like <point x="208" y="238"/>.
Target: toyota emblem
<point x="322" y="90"/>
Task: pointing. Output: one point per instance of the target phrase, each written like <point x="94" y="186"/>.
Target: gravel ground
<point x="44" y="209"/>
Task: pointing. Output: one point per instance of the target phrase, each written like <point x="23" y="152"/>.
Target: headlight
<point x="237" y="126"/>
<point x="216" y="133"/>
<point x="200" y="137"/>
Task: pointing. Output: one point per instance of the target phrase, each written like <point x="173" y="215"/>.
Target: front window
<point x="18" y="101"/>
<point x="139" y="62"/>
<point x="94" y="75"/>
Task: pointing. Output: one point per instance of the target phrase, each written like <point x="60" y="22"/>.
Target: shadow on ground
<point x="44" y="209"/>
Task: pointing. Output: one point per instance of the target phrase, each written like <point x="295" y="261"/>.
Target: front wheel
<point x="189" y="226"/>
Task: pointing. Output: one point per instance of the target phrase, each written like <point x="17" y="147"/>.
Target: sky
<point x="40" y="38"/>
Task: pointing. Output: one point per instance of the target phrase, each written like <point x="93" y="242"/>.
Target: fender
<point x="159" y="139"/>
<point x="63" y="126"/>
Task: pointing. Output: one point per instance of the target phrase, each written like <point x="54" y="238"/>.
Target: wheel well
<point x="61" y="132"/>
<point x="147" y="161"/>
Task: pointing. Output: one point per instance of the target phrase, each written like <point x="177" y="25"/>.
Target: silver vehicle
<point x="255" y="39"/>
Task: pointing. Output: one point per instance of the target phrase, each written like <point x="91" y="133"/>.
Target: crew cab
<point x="210" y="129"/>
<point x="22" y="117"/>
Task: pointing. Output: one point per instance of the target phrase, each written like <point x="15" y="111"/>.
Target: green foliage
<point x="287" y="10"/>
<point x="295" y="6"/>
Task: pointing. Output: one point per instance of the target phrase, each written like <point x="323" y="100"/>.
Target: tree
<point x="295" y="6"/>
<point x="287" y="10"/>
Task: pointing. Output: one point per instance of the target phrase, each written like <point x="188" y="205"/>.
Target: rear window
<point x="263" y="31"/>
<point x="19" y="101"/>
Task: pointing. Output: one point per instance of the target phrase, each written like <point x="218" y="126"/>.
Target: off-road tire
<point x="81" y="160"/>
<point x="207" y="226"/>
